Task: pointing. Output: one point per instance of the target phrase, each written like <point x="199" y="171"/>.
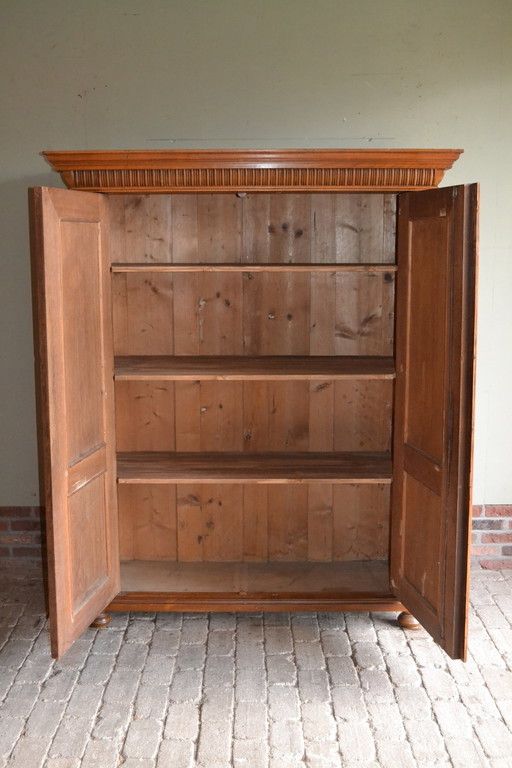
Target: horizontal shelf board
<point x="299" y="467"/>
<point x="361" y="579"/>
<point x="252" y="267"/>
<point x="238" y="368"/>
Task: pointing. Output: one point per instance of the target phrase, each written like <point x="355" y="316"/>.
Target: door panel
<point x="74" y="349"/>
<point x="433" y="418"/>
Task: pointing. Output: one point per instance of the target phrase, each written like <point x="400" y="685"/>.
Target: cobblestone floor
<point x="277" y="690"/>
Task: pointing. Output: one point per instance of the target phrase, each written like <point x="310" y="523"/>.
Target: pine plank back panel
<point x="251" y="314"/>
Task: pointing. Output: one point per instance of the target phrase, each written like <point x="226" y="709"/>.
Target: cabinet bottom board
<point x="200" y="586"/>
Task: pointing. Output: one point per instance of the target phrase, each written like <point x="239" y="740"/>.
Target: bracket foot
<point x="407" y="621"/>
<point x="101" y="620"/>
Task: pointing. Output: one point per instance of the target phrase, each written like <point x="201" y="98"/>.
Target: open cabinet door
<point x="433" y="423"/>
<point x="74" y="350"/>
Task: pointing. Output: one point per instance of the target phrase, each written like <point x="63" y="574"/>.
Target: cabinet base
<point x="215" y="602"/>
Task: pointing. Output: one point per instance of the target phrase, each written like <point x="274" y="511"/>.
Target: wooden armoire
<point x="256" y="379"/>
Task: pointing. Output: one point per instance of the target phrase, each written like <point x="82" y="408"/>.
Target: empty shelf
<point x="249" y="267"/>
<point x="343" y="579"/>
<point x="300" y="467"/>
<point x="253" y="368"/>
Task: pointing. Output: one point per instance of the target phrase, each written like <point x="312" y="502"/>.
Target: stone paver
<point x="254" y="690"/>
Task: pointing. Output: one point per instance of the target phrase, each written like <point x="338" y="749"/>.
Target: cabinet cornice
<point x="255" y="170"/>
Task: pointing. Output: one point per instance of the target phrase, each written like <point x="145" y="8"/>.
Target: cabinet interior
<point x="254" y="376"/>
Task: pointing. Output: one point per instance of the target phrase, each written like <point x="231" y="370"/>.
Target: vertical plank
<point x="360" y="227"/>
<point x="323" y="313"/>
<point x="190" y="528"/>
<point x="362" y="415"/>
<point x="219" y="221"/>
<point x="219" y="304"/>
<point x="320" y="522"/>
<point x="277" y="228"/>
<point x="147" y="522"/>
<point x="184" y="226"/>
<point x="221" y="416"/>
<point x="361" y="522"/>
<point x="157" y="225"/>
<point x="364" y="313"/>
<point x="149" y="314"/>
<point x="389" y="234"/>
<point x="126" y="511"/>
<point x="210" y="522"/>
<point x="255" y="415"/>
<point x="255" y="523"/>
<point x="321" y="415"/>
<point x="290" y="228"/>
<point x="117" y="227"/>
<point x="222" y="538"/>
<point x="256" y="225"/>
<point x="188" y="415"/>
<point x="120" y="314"/>
<point x="145" y="416"/>
<point x="186" y="319"/>
<point x="287" y="522"/>
<point x="288" y="416"/>
<point x="276" y="313"/>
<point x="134" y="236"/>
<point x="323" y="228"/>
<point x="140" y="228"/>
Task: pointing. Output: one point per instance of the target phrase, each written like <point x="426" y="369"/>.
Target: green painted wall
<point x="146" y="74"/>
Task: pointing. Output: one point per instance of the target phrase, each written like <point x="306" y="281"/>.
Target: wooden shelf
<point x="349" y="579"/>
<point x="299" y="467"/>
<point x="231" y="368"/>
<point x="148" y="266"/>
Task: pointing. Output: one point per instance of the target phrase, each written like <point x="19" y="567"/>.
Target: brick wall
<point x="492" y="536"/>
<point x="21" y="534"/>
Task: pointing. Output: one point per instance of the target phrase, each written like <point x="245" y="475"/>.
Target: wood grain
<point x="433" y="415"/>
<point x="207" y="266"/>
<point x="272" y="580"/>
<point x="239" y="368"/>
<point x="259" y="169"/>
<point x="74" y="352"/>
<point x="164" y="467"/>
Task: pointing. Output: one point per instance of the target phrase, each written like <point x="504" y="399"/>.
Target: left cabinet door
<point x="71" y="267"/>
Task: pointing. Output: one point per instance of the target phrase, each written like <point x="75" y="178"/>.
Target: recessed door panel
<point x="72" y="282"/>
<point x="433" y="416"/>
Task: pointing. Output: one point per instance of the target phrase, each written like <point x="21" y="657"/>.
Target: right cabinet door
<point x="431" y="508"/>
